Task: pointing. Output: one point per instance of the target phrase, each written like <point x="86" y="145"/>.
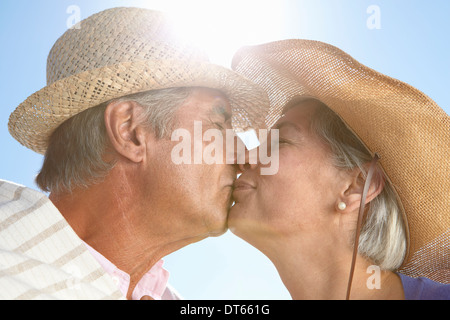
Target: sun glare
<point x="222" y="27"/>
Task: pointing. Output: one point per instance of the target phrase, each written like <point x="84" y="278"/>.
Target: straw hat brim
<point x="40" y="114"/>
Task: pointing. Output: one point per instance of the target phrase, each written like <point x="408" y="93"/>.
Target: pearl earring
<point x="342" y="206"/>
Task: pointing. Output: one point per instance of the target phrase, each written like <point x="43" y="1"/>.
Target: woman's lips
<point x="241" y="185"/>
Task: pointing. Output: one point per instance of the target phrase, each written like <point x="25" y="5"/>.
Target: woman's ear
<point x="125" y="131"/>
<point x="352" y="194"/>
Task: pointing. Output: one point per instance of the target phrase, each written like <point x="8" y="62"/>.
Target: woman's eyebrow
<point x="287" y="124"/>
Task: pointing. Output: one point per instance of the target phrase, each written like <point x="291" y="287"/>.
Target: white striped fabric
<point x="41" y="257"/>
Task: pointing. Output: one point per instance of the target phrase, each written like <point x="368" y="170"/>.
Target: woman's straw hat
<point x="118" y="52"/>
<point x="409" y="131"/>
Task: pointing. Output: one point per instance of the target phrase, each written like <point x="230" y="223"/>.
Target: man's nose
<point x="247" y="160"/>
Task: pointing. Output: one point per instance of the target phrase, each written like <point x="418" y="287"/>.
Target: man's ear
<point x="352" y="195"/>
<point x="125" y="131"/>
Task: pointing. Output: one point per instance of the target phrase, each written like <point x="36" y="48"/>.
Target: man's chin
<point x="219" y="225"/>
<point x="219" y="228"/>
<point x="218" y="233"/>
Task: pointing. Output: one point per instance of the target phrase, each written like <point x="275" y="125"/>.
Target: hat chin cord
<point x="360" y="221"/>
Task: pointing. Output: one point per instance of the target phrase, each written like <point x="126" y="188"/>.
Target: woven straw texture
<point x="118" y="52"/>
<point x="406" y="128"/>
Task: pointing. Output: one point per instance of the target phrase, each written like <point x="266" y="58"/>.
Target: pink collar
<point x="152" y="284"/>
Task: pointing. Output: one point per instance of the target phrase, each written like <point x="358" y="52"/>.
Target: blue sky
<point x="412" y="45"/>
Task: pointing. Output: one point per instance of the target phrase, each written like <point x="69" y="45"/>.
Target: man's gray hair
<point x="76" y="149"/>
<point x="383" y="235"/>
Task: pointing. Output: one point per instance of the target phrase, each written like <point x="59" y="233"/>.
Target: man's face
<point x="196" y="197"/>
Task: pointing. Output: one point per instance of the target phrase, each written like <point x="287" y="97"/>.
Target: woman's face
<point x="301" y="197"/>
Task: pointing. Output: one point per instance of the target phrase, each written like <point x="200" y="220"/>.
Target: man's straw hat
<point x="409" y="131"/>
<point x="118" y="52"/>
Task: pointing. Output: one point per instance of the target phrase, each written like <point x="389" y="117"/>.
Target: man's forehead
<point x="218" y="101"/>
<point x="204" y="102"/>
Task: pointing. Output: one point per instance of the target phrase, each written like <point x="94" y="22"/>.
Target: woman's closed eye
<point x="282" y="140"/>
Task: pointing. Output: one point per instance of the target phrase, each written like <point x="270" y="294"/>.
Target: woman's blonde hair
<point x="383" y="236"/>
